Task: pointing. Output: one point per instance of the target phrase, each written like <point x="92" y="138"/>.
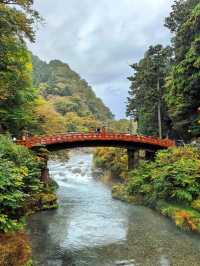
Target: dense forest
<point x="67" y="102"/>
<point x="164" y="96"/>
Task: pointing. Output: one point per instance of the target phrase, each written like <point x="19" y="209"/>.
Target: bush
<point x="196" y="204"/>
<point x="114" y="160"/>
<point x="14" y="249"/>
<point x="22" y="157"/>
<point x="19" y="175"/>
<point x="174" y="176"/>
<point x="185" y="218"/>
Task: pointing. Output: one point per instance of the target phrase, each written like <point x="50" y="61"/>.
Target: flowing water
<point x="92" y="229"/>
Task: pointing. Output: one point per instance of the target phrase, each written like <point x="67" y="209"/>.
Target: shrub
<point x="22" y="157"/>
<point x="114" y="160"/>
<point x="14" y="249"/>
<point x="174" y="176"/>
<point x="196" y="204"/>
<point x="19" y="175"/>
<point x="185" y="218"/>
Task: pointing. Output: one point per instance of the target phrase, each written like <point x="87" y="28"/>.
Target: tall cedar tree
<point x="183" y="82"/>
<point x="145" y="94"/>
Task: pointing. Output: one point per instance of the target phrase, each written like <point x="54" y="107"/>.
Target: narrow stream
<point x="92" y="229"/>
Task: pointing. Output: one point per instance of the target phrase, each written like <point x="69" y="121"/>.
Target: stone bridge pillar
<point x="133" y="158"/>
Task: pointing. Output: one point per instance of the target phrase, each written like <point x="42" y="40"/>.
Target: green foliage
<point x="196" y="204"/>
<point x="174" y="176"/>
<point x="113" y="160"/>
<point x="67" y="105"/>
<point x="122" y="126"/>
<point x="17" y="19"/>
<point x="180" y="12"/>
<point x="145" y="98"/>
<point x="66" y="90"/>
<point x="119" y="192"/>
<point x="177" y="69"/>
<point x="185" y="218"/>
<point x="16" y="93"/>
<point x="23" y="158"/>
<point x="170" y="185"/>
<point x="182" y="87"/>
<point x="19" y="175"/>
<point x="7" y="224"/>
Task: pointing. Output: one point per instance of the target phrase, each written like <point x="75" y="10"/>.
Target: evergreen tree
<point x="182" y="87"/>
<point x="146" y="102"/>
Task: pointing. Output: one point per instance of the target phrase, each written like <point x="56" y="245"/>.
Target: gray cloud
<point x="99" y="39"/>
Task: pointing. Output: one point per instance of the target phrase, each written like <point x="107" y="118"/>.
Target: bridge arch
<point x="132" y="143"/>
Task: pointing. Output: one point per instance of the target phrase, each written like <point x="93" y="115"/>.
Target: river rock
<point x="76" y="171"/>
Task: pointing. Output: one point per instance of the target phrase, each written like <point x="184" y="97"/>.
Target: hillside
<point x="67" y="91"/>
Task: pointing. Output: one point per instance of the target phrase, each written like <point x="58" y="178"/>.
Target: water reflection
<point x="90" y="228"/>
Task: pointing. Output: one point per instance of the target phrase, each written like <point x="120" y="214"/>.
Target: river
<point x="92" y="229"/>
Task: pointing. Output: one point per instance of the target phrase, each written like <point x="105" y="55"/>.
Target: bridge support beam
<point x="133" y="158"/>
<point x="150" y="155"/>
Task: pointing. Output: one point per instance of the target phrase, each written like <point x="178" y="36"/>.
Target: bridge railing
<point x="73" y="137"/>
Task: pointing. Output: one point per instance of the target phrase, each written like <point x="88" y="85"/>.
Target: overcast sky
<point x="99" y="39"/>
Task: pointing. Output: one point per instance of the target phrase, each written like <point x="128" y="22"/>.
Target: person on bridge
<point x="98" y="130"/>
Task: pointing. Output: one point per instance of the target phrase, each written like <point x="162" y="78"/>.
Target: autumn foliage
<point x="14" y="249"/>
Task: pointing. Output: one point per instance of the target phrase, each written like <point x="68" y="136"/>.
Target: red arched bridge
<point x="123" y="140"/>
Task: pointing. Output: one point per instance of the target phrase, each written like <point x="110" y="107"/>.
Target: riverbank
<point x="169" y="185"/>
<point x="15" y="249"/>
<point x="184" y="217"/>
<point x="22" y="193"/>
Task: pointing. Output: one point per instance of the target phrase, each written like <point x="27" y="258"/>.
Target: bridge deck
<point x="103" y="137"/>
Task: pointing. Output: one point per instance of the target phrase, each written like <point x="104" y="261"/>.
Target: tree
<point x="182" y="88"/>
<point x="17" y="19"/>
<point x="180" y="12"/>
<point x="16" y="25"/>
<point x="49" y="120"/>
<point x="145" y="102"/>
<point x="70" y="92"/>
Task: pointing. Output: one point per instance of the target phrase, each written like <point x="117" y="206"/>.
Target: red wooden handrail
<point x="31" y="142"/>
